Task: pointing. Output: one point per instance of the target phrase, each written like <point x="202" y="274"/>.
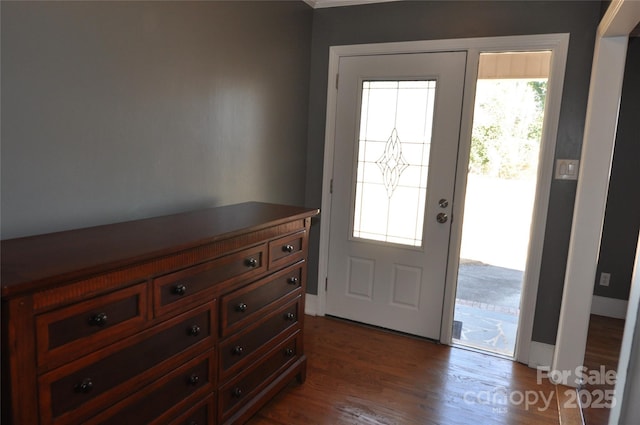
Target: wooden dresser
<point x="193" y="318"/>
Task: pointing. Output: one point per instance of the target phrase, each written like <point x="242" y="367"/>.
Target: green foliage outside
<point x="507" y="127"/>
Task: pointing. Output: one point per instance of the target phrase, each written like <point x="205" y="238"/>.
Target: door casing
<point x="558" y="44"/>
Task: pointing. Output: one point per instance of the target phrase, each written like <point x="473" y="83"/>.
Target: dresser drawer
<point x="202" y="413"/>
<point x="99" y="379"/>
<point x="72" y="331"/>
<point x="251" y="382"/>
<point x="287" y="249"/>
<point x="196" y="284"/>
<point x="241" y="306"/>
<point x="168" y="396"/>
<point x="246" y="346"/>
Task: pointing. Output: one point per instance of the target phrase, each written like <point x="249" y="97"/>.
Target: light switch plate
<point x="567" y="169"/>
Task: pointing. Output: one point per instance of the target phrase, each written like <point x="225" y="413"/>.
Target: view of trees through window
<point x="507" y="127"/>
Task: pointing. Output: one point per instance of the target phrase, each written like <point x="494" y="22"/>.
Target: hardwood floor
<point x="603" y="350"/>
<point x="360" y="375"/>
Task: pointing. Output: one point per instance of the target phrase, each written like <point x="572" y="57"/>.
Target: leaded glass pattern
<point x="393" y="160"/>
<point x="391" y="163"/>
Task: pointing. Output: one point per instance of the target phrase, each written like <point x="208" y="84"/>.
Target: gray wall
<point x="622" y="216"/>
<point x="404" y="21"/>
<point x="120" y="110"/>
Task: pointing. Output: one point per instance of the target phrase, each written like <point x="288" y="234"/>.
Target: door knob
<point x="442" y="218"/>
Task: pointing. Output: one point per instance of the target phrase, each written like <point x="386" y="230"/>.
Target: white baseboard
<point x="609" y="307"/>
<point x="540" y="355"/>
<point x="311" y="305"/>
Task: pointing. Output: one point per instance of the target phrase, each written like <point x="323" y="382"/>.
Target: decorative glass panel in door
<point x="393" y="160"/>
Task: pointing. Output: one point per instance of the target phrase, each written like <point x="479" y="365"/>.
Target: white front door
<point x="397" y="132"/>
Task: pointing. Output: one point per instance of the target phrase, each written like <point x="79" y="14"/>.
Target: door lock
<point x="442" y="218"/>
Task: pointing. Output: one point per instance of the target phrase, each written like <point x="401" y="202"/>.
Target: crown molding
<point x="321" y="4"/>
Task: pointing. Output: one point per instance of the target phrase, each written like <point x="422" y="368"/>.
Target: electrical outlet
<point x="605" y="278"/>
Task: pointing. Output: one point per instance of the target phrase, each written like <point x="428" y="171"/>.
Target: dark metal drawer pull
<point x="289" y="352"/>
<point x="237" y="392"/>
<point x="180" y="289"/>
<point x="194" y="330"/>
<point x="194" y="379"/>
<point x="288" y="248"/>
<point x="99" y="319"/>
<point x="85" y="386"/>
<point x="293" y="280"/>
<point x="242" y="307"/>
<point x="251" y="262"/>
<point x="290" y="316"/>
<point x="238" y="350"/>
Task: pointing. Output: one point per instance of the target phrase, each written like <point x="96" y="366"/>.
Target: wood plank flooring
<point x="361" y="375"/>
<point x="603" y="349"/>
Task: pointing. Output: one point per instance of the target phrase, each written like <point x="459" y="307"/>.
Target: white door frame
<point x="558" y="43"/>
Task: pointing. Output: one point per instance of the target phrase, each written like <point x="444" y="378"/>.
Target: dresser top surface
<point x="31" y="262"/>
